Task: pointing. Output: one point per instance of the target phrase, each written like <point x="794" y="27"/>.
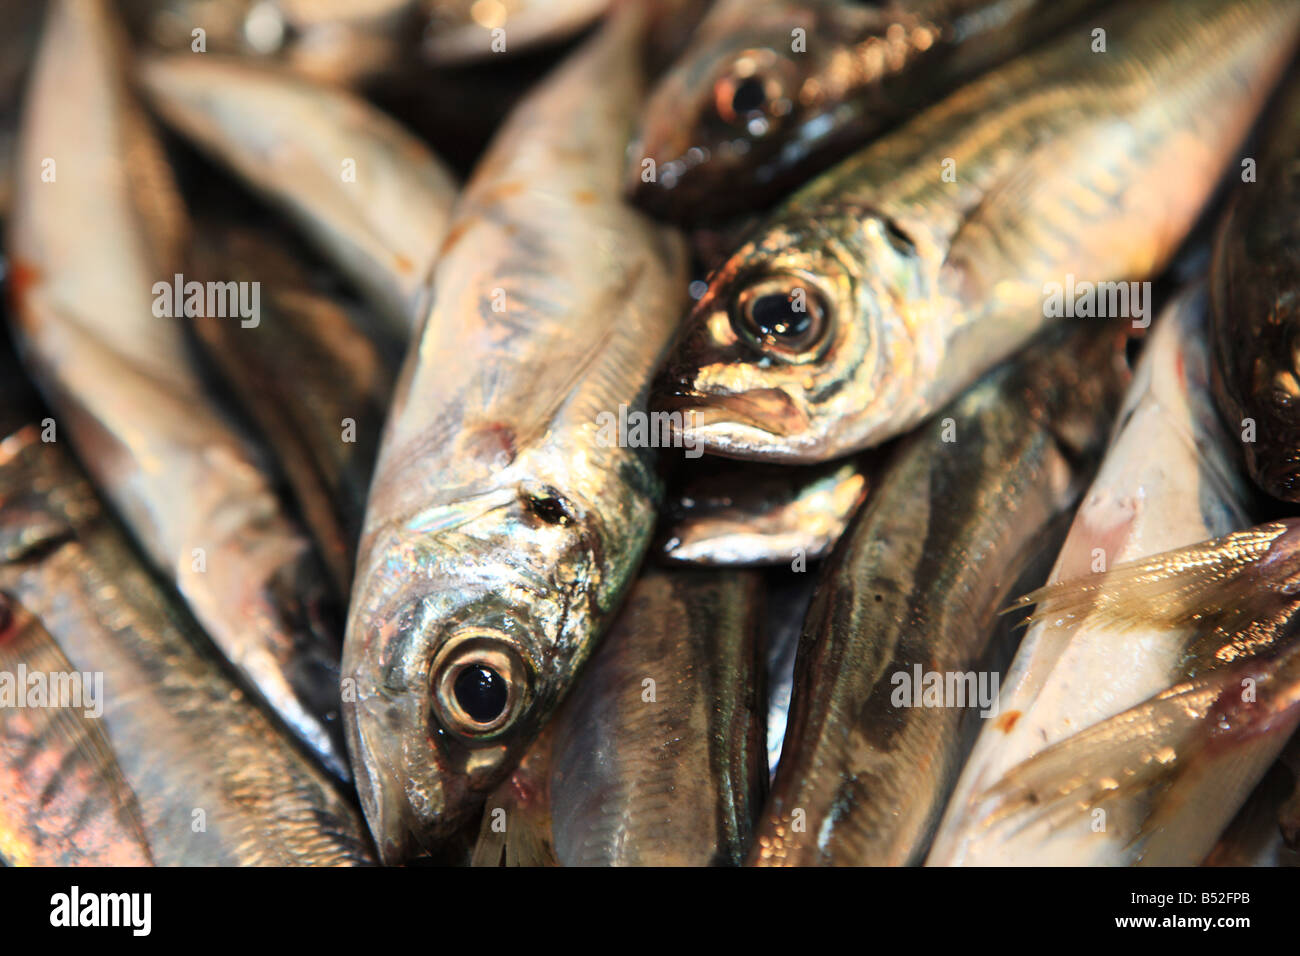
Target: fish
<point x="308" y="375"/>
<point x="880" y="290"/>
<point x="462" y="31"/>
<point x="97" y="229"/>
<point x="1264" y="831"/>
<point x="1168" y="480"/>
<point x="1254" y="276"/>
<point x="182" y="766"/>
<point x="64" y="801"/>
<point x="914" y="589"/>
<point x="657" y="757"/>
<point x="504" y="521"/>
<point x="345" y="42"/>
<point x="368" y="194"/>
<point x="753" y="516"/>
<point x="770" y="93"/>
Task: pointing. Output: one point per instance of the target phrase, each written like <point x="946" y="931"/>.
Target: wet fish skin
<point x="315" y="384"/>
<point x="336" y="42"/>
<point x="502" y="530"/>
<point x="462" y="31"/>
<point x="186" y="738"/>
<point x="861" y="68"/>
<point x="677" y="780"/>
<point x="789" y="595"/>
<point x="1263" y="831"/>
<point x="911" y="286"/>
<point x="917" y="581"/>
<point x="1254" y="276"/>
<point x="743" y="517"/>
<point x="380" y="220"/>
<point x="657" y="757"/>
<point x="63" y="801"/>
<point x="86" y="251"/>
<point x="1168" y="480"/>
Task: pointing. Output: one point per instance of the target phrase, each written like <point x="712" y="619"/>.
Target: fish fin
<point x="86" y="754"/>
<point x="1139" y="754"/>
<point x="1220" y="584"/>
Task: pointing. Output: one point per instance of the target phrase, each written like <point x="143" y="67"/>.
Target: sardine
<point x="460" y="31"/>
<point x="886" y="286"/>
<point x="1254" y="281"/>
<point x="657" y="757"/>
<point x="1168" y="480"/>
<point x="912" y="596"/>
<point x="215" y="782"/>
<point x="63" y="799"/>
<point x="770" y="92"/>
<point x="504" y="521"/>
<point x="310" y="378"/>
<point x="371" y="196"/>
<point x="96" y="227"/>
<point x="781" y="515"/>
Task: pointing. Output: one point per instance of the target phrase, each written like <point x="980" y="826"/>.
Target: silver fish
<point x="504" y="521"/>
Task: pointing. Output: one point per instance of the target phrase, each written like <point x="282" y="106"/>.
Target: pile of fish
<point x="650" y="432"/>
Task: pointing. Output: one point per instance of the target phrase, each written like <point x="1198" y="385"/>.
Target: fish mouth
<point x="767" y="413"/>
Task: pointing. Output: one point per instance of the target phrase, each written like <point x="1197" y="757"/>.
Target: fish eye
<point x="786" y="316"/>
<point x="549" y="507"/>
<point x="479" y="685"/>
<point x="747" y="94"/>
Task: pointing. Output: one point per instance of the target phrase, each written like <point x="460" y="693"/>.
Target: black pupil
<point x="748" y="97"/>
<point x="481" y="693"/>
<point x="550" y="510"/>
<point x="774" y="314"/>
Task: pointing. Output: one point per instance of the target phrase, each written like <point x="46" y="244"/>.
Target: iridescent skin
<point x="216" y="782"/>
<point x="656" y="758"/>
<point x="1254" y="282"/>
<point x="502" y="529"/>
<point x="879" y="291"/>
<point x="743" y="115"/>
<point x="86" y="252"/>
<point x="63" y="801"/>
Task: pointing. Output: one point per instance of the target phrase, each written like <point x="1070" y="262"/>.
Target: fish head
<point x="464" y="636"/>
<point x="796" y="336"/>
<point x="729" y="109"/>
